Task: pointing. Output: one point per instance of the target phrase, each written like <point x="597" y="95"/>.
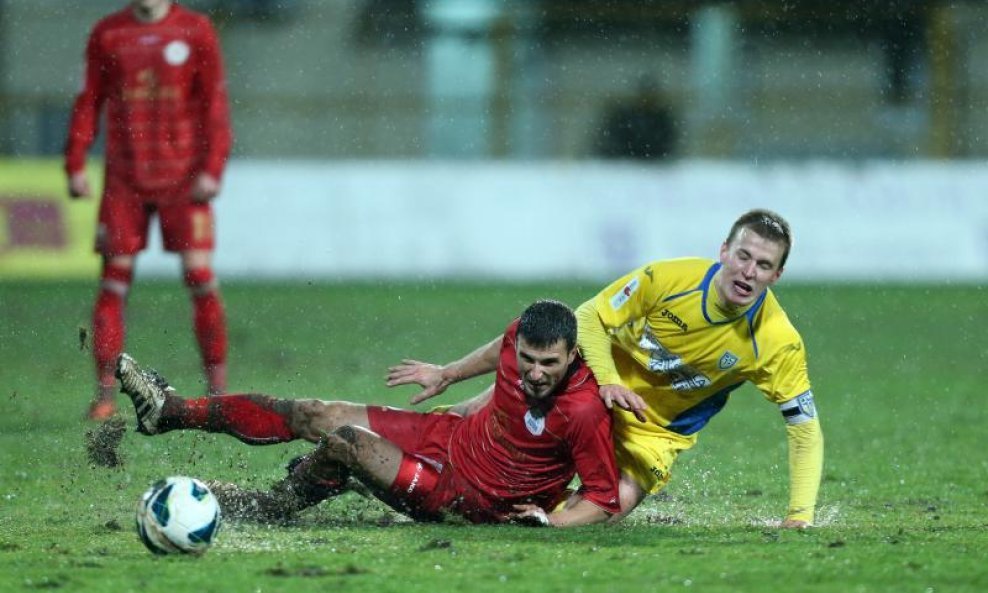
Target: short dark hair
<point x="545" y="322"/>
<point x="767" y="224"/>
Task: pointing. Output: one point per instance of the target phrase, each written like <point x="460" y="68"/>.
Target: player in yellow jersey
<point x="671" y="340"/>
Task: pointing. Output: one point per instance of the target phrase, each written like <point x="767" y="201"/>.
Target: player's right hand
<point x="429" y="376"/>
<point x="625" y="399"/>
<point x="79" y="185"/>
<point x="530" y="515"/>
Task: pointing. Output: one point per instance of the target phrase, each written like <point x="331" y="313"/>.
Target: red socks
<point x="252" y="418"/>
<point x="209" y="323"/>
<point x="109" y="329"/>
<point x="108" y="322"/>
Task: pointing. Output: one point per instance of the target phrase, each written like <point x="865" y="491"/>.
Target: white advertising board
<point x="914" y="221"/>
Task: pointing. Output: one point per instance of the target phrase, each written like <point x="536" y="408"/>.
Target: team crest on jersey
<point x="727" y="361"/>
<point x="177" y="52"/>
<point x="534" y="424"/>
<point x="618" y="300"/>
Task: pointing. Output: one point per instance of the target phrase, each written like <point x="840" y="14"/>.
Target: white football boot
<point x="147" y="390"/>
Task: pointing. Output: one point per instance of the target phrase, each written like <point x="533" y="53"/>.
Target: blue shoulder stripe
<point x="751" y="320"/>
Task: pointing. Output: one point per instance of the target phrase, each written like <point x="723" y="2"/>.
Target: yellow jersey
<point x="673" y="344"/>
<point x="662" y="332"/>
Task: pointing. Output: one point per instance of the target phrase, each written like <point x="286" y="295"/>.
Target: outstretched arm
<point x="805" y="468"/>
<point x="583" y="512"/>
<point x="434" y="379"/>
<point x="783" y="374"/>
<point x="595" y="345"/>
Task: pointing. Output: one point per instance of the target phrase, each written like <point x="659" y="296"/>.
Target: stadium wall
<point x="921" y="221"/>
<point x="331" y="79"/>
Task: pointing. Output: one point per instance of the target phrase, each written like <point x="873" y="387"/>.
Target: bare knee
<point x="342" y="444"/>
<point x="312" y="419"/>
<point x="630" y="494"/>
<point x="353" y="438"/>
<point x="119" y="261"/>
<point x="348" y="434"/>
<point x="193" y="259"/>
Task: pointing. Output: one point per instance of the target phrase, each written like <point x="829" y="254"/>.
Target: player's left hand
<point x="429" y="376"/>
<point x="530" y="515"/>
<point x="205" y="188"/>
<point x="795" y="524"/>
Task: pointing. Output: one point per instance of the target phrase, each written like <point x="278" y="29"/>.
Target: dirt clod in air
<point x="103" y="441"/>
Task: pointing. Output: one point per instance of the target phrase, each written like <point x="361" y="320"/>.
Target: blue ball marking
<point x="205" y="534"/>
<point x="199" y="492"/>
<point x="159" y="505"/>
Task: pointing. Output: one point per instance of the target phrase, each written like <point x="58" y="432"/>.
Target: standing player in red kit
<point x="157" y="70"/>
<point x="511" y="458"/>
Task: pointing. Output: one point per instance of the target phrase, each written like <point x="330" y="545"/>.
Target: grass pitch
<point x="898" y="374"/>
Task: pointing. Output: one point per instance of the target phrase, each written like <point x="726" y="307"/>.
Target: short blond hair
<point x="767" y="224"/>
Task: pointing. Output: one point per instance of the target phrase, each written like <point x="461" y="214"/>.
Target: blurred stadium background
<point x="430" y="138"/>
<point x="407" y="174"/>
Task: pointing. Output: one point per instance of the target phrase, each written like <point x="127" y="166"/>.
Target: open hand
<point x="415" y="372"/>
<point x="625" y="399"/>
<point x="530" y="515"/>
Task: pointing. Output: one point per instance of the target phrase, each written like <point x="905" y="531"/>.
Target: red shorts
<point x="427" y="486"/>
<point x="124" y="222"/>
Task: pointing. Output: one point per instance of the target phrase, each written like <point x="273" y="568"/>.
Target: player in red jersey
<point x="155" y="68"/>
<point x="511" y="458"/>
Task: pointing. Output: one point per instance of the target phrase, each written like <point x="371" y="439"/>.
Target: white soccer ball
<point x="178" y="515"/>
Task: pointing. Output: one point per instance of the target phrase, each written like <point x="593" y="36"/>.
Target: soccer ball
<point x="178" y="515"/>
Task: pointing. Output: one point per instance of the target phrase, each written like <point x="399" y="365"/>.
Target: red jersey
<point x="515" y="456"/>
<point x="164" y="91"/>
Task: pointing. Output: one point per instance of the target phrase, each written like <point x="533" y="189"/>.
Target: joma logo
<point x="675" y="319"/>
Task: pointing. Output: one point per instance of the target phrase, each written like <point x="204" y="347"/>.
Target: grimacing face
<point x="542" y="369"/>
<point x="750" y="264"/>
